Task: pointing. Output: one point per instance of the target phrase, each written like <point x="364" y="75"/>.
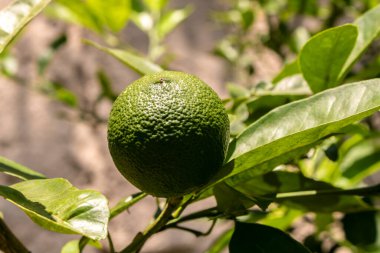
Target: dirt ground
<point x="50" y="137"/>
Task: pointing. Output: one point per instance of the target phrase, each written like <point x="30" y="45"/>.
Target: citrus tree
<point x="301" y="145"/>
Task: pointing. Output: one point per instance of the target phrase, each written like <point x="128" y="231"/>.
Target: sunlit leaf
<point x="322" y="58"/>
<point x="15" y="16"/>
<point x="301" y="123"/>
<point x="56" y="205"/>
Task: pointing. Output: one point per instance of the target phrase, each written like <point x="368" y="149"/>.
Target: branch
<point x="8" y="241"/>
<point x="162" y="219"/>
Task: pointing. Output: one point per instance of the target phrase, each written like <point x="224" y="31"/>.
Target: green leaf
<point x="250" y="237"/>
<point x="221" y="242"/>
<point x="322" y="58"/>
<point x="368" y="30"/>
<point x="137" y="63"/>
<point x="77" y="12"/>
<point x="231" y="201"/>
<point x="361" y="161"/>
<point x="126" y="203"/>
<point x="113" y="14"/>
<point x="156" y="5"/>
<point x="171" y="20"/>
<point x="56" y="205"/>
<point x="74" y="246"/>
<point x="272" y="184"/>
<point x="17" y="170"/>
<point x="15" y="16"/>
<point x="300" y="124"/>
<point x="288" y="70"/>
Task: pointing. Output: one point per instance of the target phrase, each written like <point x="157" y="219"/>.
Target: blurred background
<point x="56" y="89"/>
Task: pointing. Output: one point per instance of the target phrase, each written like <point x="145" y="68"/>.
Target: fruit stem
<point x="138" y="242"/>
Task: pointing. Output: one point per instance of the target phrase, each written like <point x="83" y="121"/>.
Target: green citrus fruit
<point x="168" y="133"/>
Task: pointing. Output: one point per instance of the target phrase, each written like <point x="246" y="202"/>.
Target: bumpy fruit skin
<point x="168" y="133"/>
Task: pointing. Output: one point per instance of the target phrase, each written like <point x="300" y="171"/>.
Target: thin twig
<point x="9" y="242"/>
<point x="139" y="240"/>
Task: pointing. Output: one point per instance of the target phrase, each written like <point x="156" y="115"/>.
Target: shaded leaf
<point x="272" y="184"/>
<point x="17" y="170"/>
<point x="137" y="63"/>
<point x="250" y="237"/>
<point x="322" y="58"/>
<point x="231" y="201"/>
<point x="301" y="123"/>
<point x="361" y="228"/>
<point x="361" y="160"/>
<point x="15" y="16"/>
<point x="56" y="205"/>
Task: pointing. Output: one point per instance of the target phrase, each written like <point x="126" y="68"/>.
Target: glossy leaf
<point x="301" y="123"/>
<point x="322" y="58"/>
<point x="137" y="63"/>
<point x="250" y="237"/>
<point x="17" y="170"/>
<point x="15" y="16"/>
<point x="56" y="205"/>
<point x="368" y="30"/>
<point x="272" y="184"/>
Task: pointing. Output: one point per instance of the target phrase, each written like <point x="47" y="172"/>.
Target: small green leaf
<point x="324" y="55"/>
<point x="221" y="242"/>
<point x="171" y="20"/>
<point x="17" y="170"/>
<point x="74" y="246"/>
<point x="288" y="70"/>
<point x="301" y="123"/>
<point x="56" y="205"/>
<point x="15" y="16"/>
<point x="250" y="237"/>
<point x="137" y="63"/>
